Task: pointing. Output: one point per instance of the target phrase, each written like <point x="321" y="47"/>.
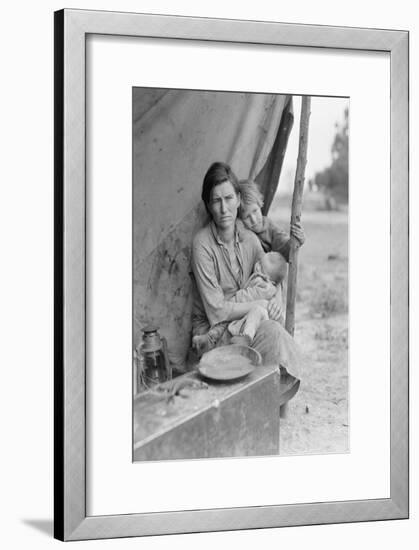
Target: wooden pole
<point x="297" y="200"/>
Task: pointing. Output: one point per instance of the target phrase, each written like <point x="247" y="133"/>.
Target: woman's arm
<point x="216" y="307"/>
<point x="257" y="288"/>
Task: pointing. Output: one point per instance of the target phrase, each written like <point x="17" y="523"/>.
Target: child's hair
<point x="275" y="266"/>
<point x="250" y="193"/>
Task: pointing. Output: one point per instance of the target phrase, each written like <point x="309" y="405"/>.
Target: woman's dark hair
<point x="217" y="173"/>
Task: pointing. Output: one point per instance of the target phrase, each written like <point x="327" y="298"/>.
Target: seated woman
<point x="224" y="254"/>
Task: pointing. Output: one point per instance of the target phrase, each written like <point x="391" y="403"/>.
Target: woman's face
<point x="251" y="215"/>
<point x="223" y="205"/>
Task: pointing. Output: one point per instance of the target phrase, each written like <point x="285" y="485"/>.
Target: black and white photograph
<point x="208" y="275"/>
<point x="240" y="274"/>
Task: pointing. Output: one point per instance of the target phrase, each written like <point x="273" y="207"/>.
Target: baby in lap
<point x="268" y="275"/>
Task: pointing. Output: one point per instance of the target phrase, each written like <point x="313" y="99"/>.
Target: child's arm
<point x="280" y="240"/>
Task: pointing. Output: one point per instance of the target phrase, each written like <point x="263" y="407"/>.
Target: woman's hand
<point x="274" y="309"/>
<point x="297" y="231"/>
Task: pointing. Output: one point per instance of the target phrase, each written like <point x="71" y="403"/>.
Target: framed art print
<point x="175" y="357"/>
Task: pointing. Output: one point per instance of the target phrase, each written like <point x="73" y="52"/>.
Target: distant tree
<point x="334" y="179"/>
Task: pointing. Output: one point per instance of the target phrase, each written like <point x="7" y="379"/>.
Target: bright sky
<point x="325" y="112"/>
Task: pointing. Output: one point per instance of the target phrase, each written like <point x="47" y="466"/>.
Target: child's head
<point x="274" y="265"/>
<point x="251" y="202"/>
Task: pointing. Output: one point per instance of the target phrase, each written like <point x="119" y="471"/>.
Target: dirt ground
<point x="317" y="418"/>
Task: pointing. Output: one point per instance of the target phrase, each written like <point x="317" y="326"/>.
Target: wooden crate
<point x="224" y="420"/>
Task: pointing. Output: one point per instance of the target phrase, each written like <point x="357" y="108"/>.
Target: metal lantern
<point x="153" y="364"/>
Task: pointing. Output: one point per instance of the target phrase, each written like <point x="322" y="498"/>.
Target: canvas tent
<point x="177" y="134"/>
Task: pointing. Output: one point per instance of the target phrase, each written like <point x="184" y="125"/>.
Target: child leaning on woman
<point x="271" y="236"/>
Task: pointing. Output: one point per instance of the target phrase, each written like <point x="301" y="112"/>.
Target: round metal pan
<point x="229" y="363"/>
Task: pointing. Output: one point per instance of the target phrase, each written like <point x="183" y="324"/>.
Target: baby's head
<point x="274" y="265"/>
<point x="251" y="202"/>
